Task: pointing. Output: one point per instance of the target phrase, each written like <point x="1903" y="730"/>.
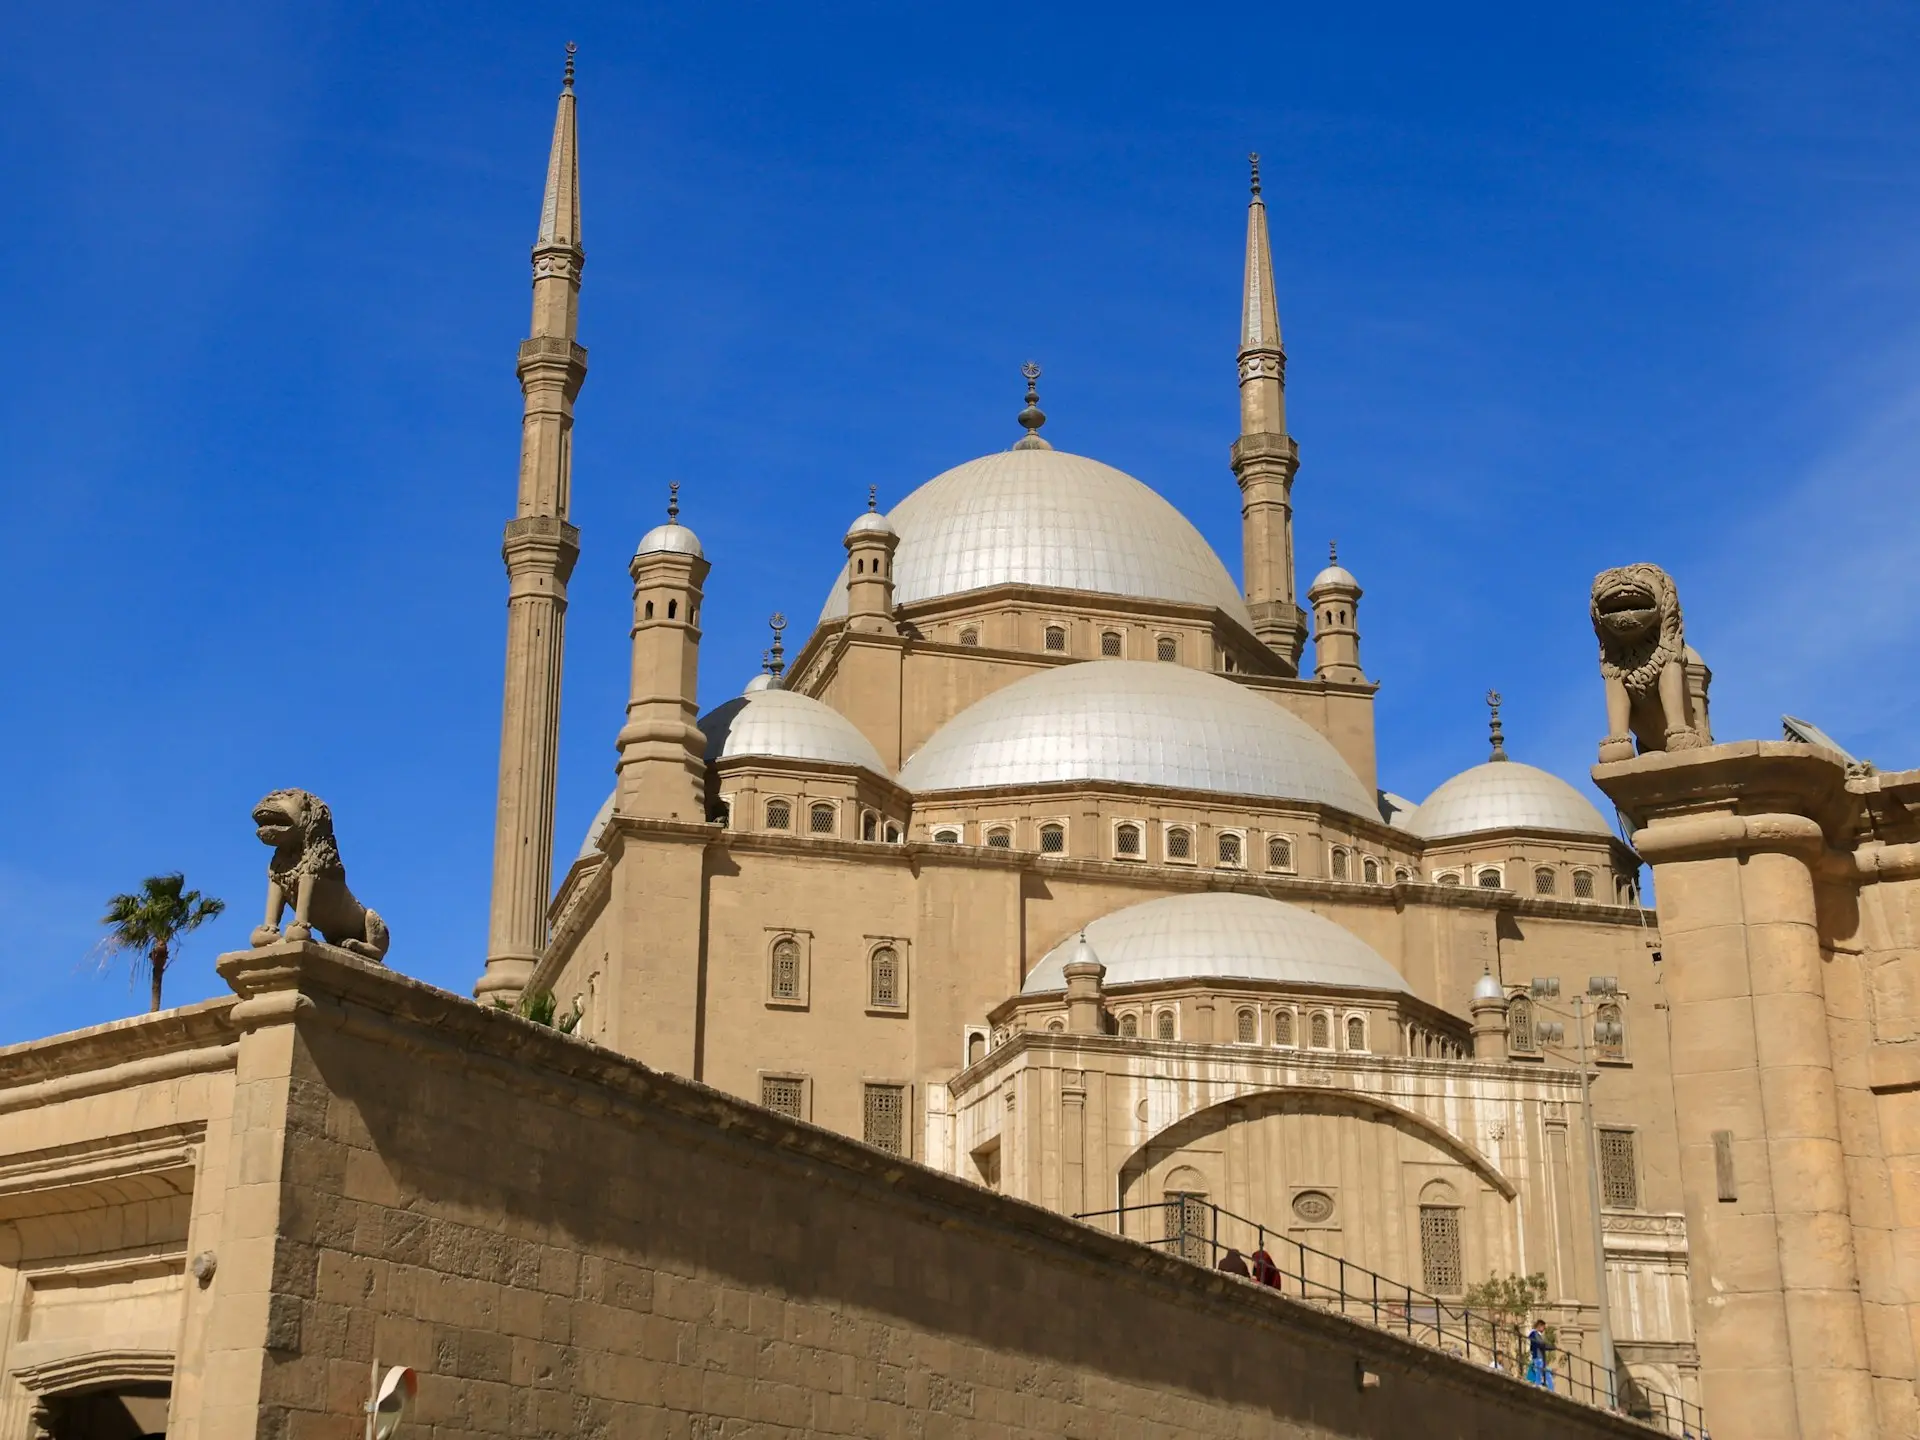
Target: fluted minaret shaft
<point x="1264" y="458"/>
<point x="539" y="548"/>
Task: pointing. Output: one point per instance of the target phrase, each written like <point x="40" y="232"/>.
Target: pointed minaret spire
<point x="1493" y="727"/>
<point x="1264" y="457"/>
<point x="540" y="549"/>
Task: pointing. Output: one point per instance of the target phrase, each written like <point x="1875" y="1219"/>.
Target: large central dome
<point x="1044" y="517"/>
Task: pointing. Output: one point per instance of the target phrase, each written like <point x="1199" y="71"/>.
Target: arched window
<point x="1057" y="1026"/>
<point x="1283" y="1027"/>
<point x="1583" y="884"/>
<point x="1163" y="1025"/>
<point x="1166" y="648"/>
<point x="1520" y="1025"/>
<point x="1129" y="1027"/>
<point x="673" y="608"/>
<point x="884" y="990"/>
<point x="1056" y="637"/>
<point x="1356" y="1033"/>
<point x="1488" y="879"/>
<point x="1402" y="875"/>
<point x="1321" y="1031"/>
<point x="1609" y="1032"/>
<point x="946" y="835"/>
<point x="1440" y="1259"/>
<point x="1110" y="644"/>
<point x="1370" y="870"/>
<point x="893" y="833"/>
<point x="1447" y="877"/>
<point x="1246" y="1028"/>
<point x="1186" y="1219"/>
<point x="969" y="635"/>
<point x="859" y="567"/>
<point x="820" y="819"/>
<point x="1053" y="839"/>
<point x="779" y="815"/>
<point x="1279" y="853"/>
<point x="649" y="609"/>
<point x="1546" y="880"/>
<point x="1126" y="842"/>
<point x="976" y="1048"/>
<point x="869" y="825"/>
<point x="783" y="983"/>
<point x="1228" y="845"/>
<point x="1179" y="844"/>
<point x="1000" y="838"/>
<point x="1339" y="864"/>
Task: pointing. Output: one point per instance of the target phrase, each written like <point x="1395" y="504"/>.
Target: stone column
<point x="1084" y="975"/>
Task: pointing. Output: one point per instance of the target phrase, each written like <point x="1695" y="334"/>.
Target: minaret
<point x="870" y="544"/>
<point x="663" y="764"/>
<point x="539" y="549"/>
<point x="1264" y="458"/>
<point x="1335" y="597"/>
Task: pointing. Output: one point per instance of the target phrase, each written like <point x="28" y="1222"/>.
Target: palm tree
<point x="147" y="924"/>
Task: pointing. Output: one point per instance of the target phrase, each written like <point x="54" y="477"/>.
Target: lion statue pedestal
<point x="306" y="869"/>
<point x="1656" y="685"/>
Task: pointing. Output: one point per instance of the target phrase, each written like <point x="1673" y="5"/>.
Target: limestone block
<point x="1809" y="1175"/>
<point x="1714" y="1035"/>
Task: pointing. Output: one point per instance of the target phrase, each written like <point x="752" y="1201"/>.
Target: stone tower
<point x="662" y="765"/>
<point x="539" y="549"/>
<point x="1335" y="597"/>
<point x="870" y="543"/>
<point x="1265" y="458"/>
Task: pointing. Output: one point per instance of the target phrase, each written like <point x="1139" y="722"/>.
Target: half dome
<point x="1505" y="795"/>
<point x="1136" y="722"/>
<point x="1047" y="518"/>
<point x="786" y="725"/>
<point x="1221" y="936"/>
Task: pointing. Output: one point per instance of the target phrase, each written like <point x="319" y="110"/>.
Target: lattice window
<point x="784" y="1094"/>
<point x="1283" y="1027"/>
<point x="1246" y="1028"/>
<point x="886" y="1118"/>
<point x="1056" y="637"/>
<point x="1619" y="1176"/>
<point x="1001" y="839"/>
<point x="1110" y="644"/>
<point x="947" y="836"/>
<point x="1520" y="1024"/>
<point x="884" y="990"/>
<point x="1488" y="879"/>
<point x="1053" y="839"/>
<point x="1186" y="1227"/>
<point x="1546" y="881"/>
<point x="1583" y="884"/>
<point x="1370" y="870"/>
<point x="779" y="815"/>
<point x="1356" y="1033"/>
<point x="893" y="833"/>
<point x="969" y="636"/>
<point x="1163" y="1025"/>
<point x="1179" y="844"/>
<point x="869" y="825"/>
<point x="1229" y="850"/>
<point x="1129" y="1027"/>
<point x="1402" y="875"/>
<point x="820" y="819"/>
<point x="784" y="983"/>
<point x="1166" y="648"/>
<point x="1440" y="1249"/>
<point x="1279" y="853"/>
<point x="1339" y="864"/>
<point x="1447" y="877"/>
<point x="1126" y="842"/>
<point x="1609" y="1032"/>
<point x="1321" y="1031"/>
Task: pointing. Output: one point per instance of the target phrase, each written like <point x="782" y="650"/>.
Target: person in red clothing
<point x="1264" y="1270"/>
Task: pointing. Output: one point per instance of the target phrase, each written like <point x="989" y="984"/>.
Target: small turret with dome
<point x="672" y="538"/>
<point x="870" y="544"/>
<point x="1335" y="597"/>
<point x="662" y="765"/>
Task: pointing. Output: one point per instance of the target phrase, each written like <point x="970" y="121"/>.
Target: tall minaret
<point x="540" y="548"/>
<point x="1265" y="457"/>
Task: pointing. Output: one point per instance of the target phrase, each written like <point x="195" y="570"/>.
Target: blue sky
<point x="1561" y="290"/>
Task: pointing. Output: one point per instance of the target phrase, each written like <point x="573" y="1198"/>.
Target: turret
<point x="870" y="543"/>
<point x="1335" y="597"/>
<point x="662" y="761"/>
<point x="1489" y="1007"/>
<point x="1084" y="996"/>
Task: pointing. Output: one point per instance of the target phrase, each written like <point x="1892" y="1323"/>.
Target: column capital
<point x="1747" y="795"/>
<point x="541" y="542"/>
<point x="1261" y="452"/>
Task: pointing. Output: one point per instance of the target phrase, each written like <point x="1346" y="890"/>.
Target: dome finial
<point x="567" y="82"/>
<point x="1333" y="552"/>
<point x="873" y="498"/>
<point x="1253" y="159"/>
<point x="673" y="502"/>
<point x="1493" y="727"/>
<point x="1033" y="417"/>
<point x="777" y="657"/>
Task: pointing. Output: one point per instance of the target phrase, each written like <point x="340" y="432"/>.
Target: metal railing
<point x="1192" y="1229"/>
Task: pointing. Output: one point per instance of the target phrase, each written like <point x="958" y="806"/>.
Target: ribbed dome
<point x="672" y="538"/>
<point x="787" y="725"/>
<point x="1136" y="722"/>
<point x="1334" y="577"/>
<point x="1505" y="795"/>
<point x="1044" y="517"/>
<point x="1221" y="937"/>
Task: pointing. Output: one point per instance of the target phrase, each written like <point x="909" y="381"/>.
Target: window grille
<point x="893" y="834"/>
<point x="1401" y="875"/>
<point x="886" y="1118"/>
<point x="1321" y="1032"/>
<point x="1609" y="1032"/>
<point x="1545" y="881"/>
<point x="1520" y="1024"/>
<point x="969" y="636"/>
<point x="1339" y="864"/>
<point x="1283" y="1027"/>
<point x="1163" y="1025"/>
<point x="1440" y="1249"/>
<point x="1370" y="870"/>
<point x="1619" y="1178"/>
<point x="1000" y="839"/>
<point x="1126" y="841"/>
<point x="1229" y="846"/>
<point x="1279" y="853"/>
<point x="869" y="825"/>
<point x="1583" y="884"/>
<point x="1166" y="648"/>
<point x="1053" y="839"/>
<point x="1246" y="1028"/>
<point x="1356" y="1033"/>
<point x="1179" y="844"/>
<point x="1488" y="879"/>
<point x="1056" y="637"/>
<point x="1110" y="645"/>
<point x="946" y="837"/>
<point x="820" y="820"/>
<point x="1129" y="1027"/>
<point x="1447" y="878"/>
<point x="784" y="1094"/>
<point x="785" y="984"/>
<point x="779" y="815"/>
<point x="1186" y="1224"/>
<point x="884" y="986"/>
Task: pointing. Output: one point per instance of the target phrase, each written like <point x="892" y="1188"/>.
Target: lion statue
<point x="306" y="869"/>
<point x="1656" y="683"/>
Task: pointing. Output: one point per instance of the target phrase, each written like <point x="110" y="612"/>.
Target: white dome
<point x="787" y="725"/>
<point x="598" y="827"/>
<point x="1505" y="795"/>
<point x="762" y="681"/>
<point x="1136" y="722"/>
<point x="871" y="522"/>
<point x="1221" y="936"/>
<point x="1333" y="576"/>
<point x="1044" y="517"/>
<point x="671" y="538"/>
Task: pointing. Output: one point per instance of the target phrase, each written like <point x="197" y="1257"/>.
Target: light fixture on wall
<point x="392" y="1398"/>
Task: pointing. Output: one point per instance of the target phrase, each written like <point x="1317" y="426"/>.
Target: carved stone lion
<point x="306" y="869"/>
<point x="1651" y="696"/>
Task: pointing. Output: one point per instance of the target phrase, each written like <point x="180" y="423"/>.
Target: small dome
<point x="1044" y="517"/>
<point x="672" y="538"/>
<point x="1505" y="795"/>
<point x="787" y="725"/>
<point x="1136" y="722"/>
<point x="1396" y="810"/>
<point x="1488" y="988"/>
<point x="1221" y="936"/>
<point x="871" y="522"/>
<point x="1332" y="578"/>
<point x="762" y="681"/>
<point x="601" y="819"/>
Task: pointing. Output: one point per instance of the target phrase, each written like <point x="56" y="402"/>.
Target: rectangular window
<point x="1619" y="1177"/>
<point x="1440" y="1264"/>
<point x="886" y="1118"/>
<point x="1186" y="1226"/>
<point x="784" y="1095"/>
